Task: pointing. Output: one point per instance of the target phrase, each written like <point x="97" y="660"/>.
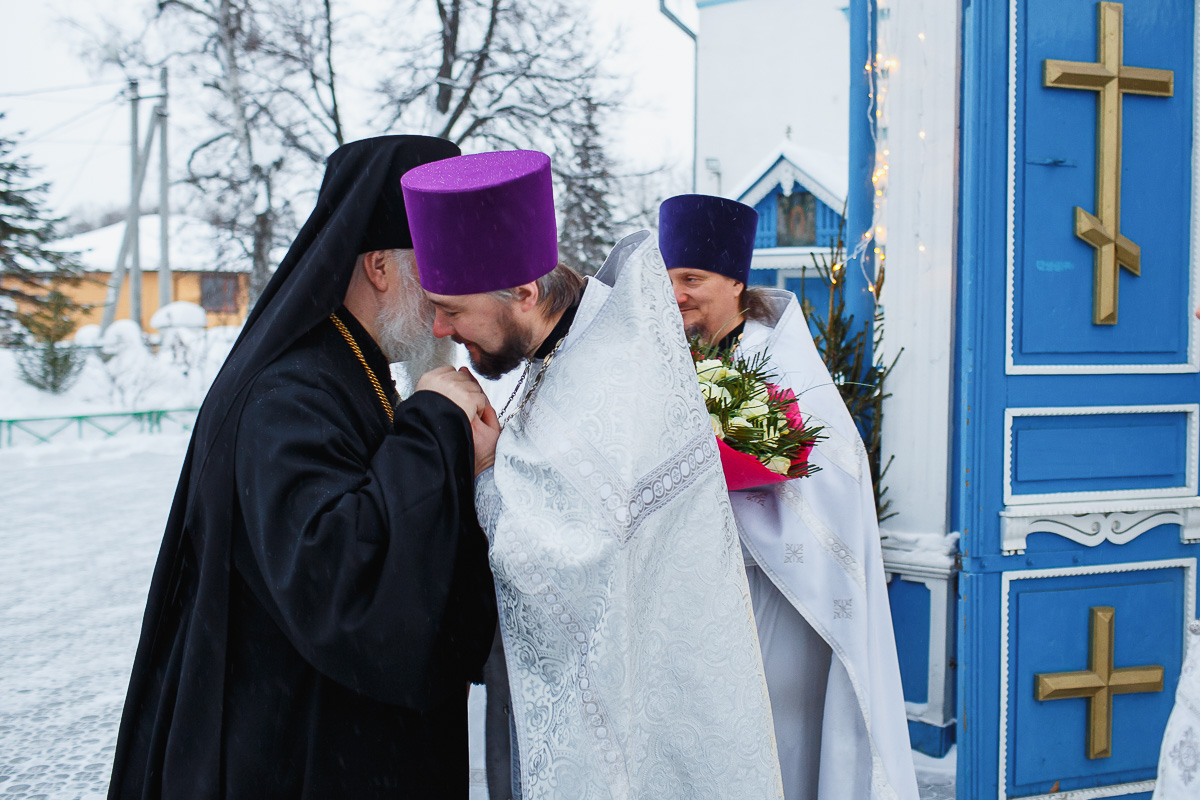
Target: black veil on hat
<point x="360" y="207"/>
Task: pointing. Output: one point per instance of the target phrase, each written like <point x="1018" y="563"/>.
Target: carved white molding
<point x="790" y="258"/>
<point x="1091" y="527"/>
<point x="1188" y="565"/>
<point x="1189" y="489"/>
<point x="1193" y="349"/>
<point x="783" y="174"/>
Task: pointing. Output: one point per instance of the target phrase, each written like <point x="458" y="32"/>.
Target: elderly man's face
<point x="710" y="302"/>
<point x="487" y="326"/>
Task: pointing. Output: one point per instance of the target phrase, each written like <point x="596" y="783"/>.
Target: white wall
<point x="765" y="65"/>
<point x="920" y="221"/>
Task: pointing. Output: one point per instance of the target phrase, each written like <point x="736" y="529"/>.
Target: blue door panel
<point x="1050" y="628"/>
<point x="1098" y="452"/>
<point x="909" y="602"/>
<point x="1056" y="151"/>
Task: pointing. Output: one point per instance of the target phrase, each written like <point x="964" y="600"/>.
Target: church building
<point x="1026" y="174"/>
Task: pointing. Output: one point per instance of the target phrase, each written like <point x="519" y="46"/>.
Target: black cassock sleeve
<point x="374" y="563"/>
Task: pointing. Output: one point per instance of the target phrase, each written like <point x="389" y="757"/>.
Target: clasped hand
<point x="461" y="388"/>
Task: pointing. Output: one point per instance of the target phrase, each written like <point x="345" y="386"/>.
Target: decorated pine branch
<point x="859" y="376"/>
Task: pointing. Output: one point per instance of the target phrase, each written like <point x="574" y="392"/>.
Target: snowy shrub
<point x="130" y="371"/>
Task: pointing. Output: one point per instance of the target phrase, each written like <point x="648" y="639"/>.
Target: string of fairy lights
<point x="880" y="70"/>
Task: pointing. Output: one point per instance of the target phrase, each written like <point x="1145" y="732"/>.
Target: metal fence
<point x="42" y="430"/>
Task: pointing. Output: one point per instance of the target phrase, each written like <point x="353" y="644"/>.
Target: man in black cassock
<point x="322" y="596"/>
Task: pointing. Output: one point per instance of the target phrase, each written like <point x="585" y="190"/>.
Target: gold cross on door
<point x="1099" y="682"/>
<point x="1109" y="77"/>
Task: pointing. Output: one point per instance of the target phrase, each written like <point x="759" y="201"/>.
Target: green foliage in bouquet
<point x="749" y="415"/>
<point x="858" y="372"/>
<point x="50" y="363"/>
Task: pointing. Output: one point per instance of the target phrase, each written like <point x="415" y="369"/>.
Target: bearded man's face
<point x="487" y="327"/>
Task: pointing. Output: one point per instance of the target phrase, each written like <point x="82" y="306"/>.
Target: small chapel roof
<point x="825" y="175"/>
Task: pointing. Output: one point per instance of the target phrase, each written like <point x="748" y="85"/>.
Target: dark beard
<point x="513" y="350"/>
<point x="696" y="332"/>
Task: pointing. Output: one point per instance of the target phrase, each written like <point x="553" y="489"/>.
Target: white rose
<point x="753" y="408"/>
<point x="711" y="369"/>
<point x="716" y="425"/>
<point x="736" y="423"/>
<point x="706" y="367"/>
<point x="713" y="392"/>
<point x="779" y="465"/>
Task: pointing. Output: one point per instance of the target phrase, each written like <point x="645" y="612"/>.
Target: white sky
<point x="80" y="137"/>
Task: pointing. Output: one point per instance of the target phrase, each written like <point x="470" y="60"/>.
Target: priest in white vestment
<point x="811" y="545"/>
<point x="626" y="618"/>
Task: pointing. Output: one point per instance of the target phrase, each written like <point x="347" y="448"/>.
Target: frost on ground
<point x="80" y="526"/>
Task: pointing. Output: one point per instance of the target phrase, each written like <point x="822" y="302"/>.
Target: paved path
<point x="80" y="526"/>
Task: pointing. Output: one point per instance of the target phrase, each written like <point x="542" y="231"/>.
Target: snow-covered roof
<point x="825" y="175"/>
<point x="194" y="245"/>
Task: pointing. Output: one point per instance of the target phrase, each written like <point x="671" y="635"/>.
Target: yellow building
<point x="195" y="276"/>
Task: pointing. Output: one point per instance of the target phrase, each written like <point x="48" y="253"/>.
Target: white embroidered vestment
<point x="817" y="540"/>
<point x="633" y="661"/>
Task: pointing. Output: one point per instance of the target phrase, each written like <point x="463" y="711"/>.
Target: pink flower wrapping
<point x="746" y="472"/>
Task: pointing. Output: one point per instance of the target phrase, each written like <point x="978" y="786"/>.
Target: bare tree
<point x="500" y="73"/>
<point x="266" y="69"/>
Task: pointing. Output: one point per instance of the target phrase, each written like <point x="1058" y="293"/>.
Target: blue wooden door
<point x="1076" y="417"/>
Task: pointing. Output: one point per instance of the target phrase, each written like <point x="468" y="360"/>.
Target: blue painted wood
<point x="932" y="740"/>
<point x="1053" y="290"/>
<point x="860" y="205"/>
<point x="814" y="296"/>
<point x="1049" y="622"/>
<point x="910" y="613"/>
<point x="828" y="222"/>
<point x="762" y="277"/>
<point x="1099" y="452"/>
<point x="766" y="235"/>
<point x="1054" y="277"/>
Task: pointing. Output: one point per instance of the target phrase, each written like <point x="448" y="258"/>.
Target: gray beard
<point x="406" y="338"/>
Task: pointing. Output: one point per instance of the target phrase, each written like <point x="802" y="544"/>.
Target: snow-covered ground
<point x="80" y="525"/>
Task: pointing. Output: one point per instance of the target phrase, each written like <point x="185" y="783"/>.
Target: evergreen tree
<point x="50" y="363"/>
<point x="29" y="265"/>
<point x="858" y="376"/>
<point x="586" y="187"/>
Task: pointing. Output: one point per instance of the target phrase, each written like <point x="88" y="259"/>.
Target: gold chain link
<point x="387" y="407"/>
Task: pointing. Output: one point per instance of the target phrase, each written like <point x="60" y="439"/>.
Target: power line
<point x="32" y="92"/>
<point x="90" y="154"/>
<point x="71" y="121"/>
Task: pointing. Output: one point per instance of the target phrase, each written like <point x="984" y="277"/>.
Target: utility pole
<point x="130" y="244"/>
<point x="165" y="283"/>
<point x="135" y="212"/>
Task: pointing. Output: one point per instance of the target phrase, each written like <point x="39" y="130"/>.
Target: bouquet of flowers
<point x="759" y="429"/>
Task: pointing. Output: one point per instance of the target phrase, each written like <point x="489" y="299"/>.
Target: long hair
<point x="754" y="305"/>
<point x="558" y="290"/>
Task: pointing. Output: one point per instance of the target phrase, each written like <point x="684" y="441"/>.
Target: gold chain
<point x="387" y="407"/>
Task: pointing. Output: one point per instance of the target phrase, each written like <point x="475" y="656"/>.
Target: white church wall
<point x="765" y="66"/>
<point x="920" y="114"/>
